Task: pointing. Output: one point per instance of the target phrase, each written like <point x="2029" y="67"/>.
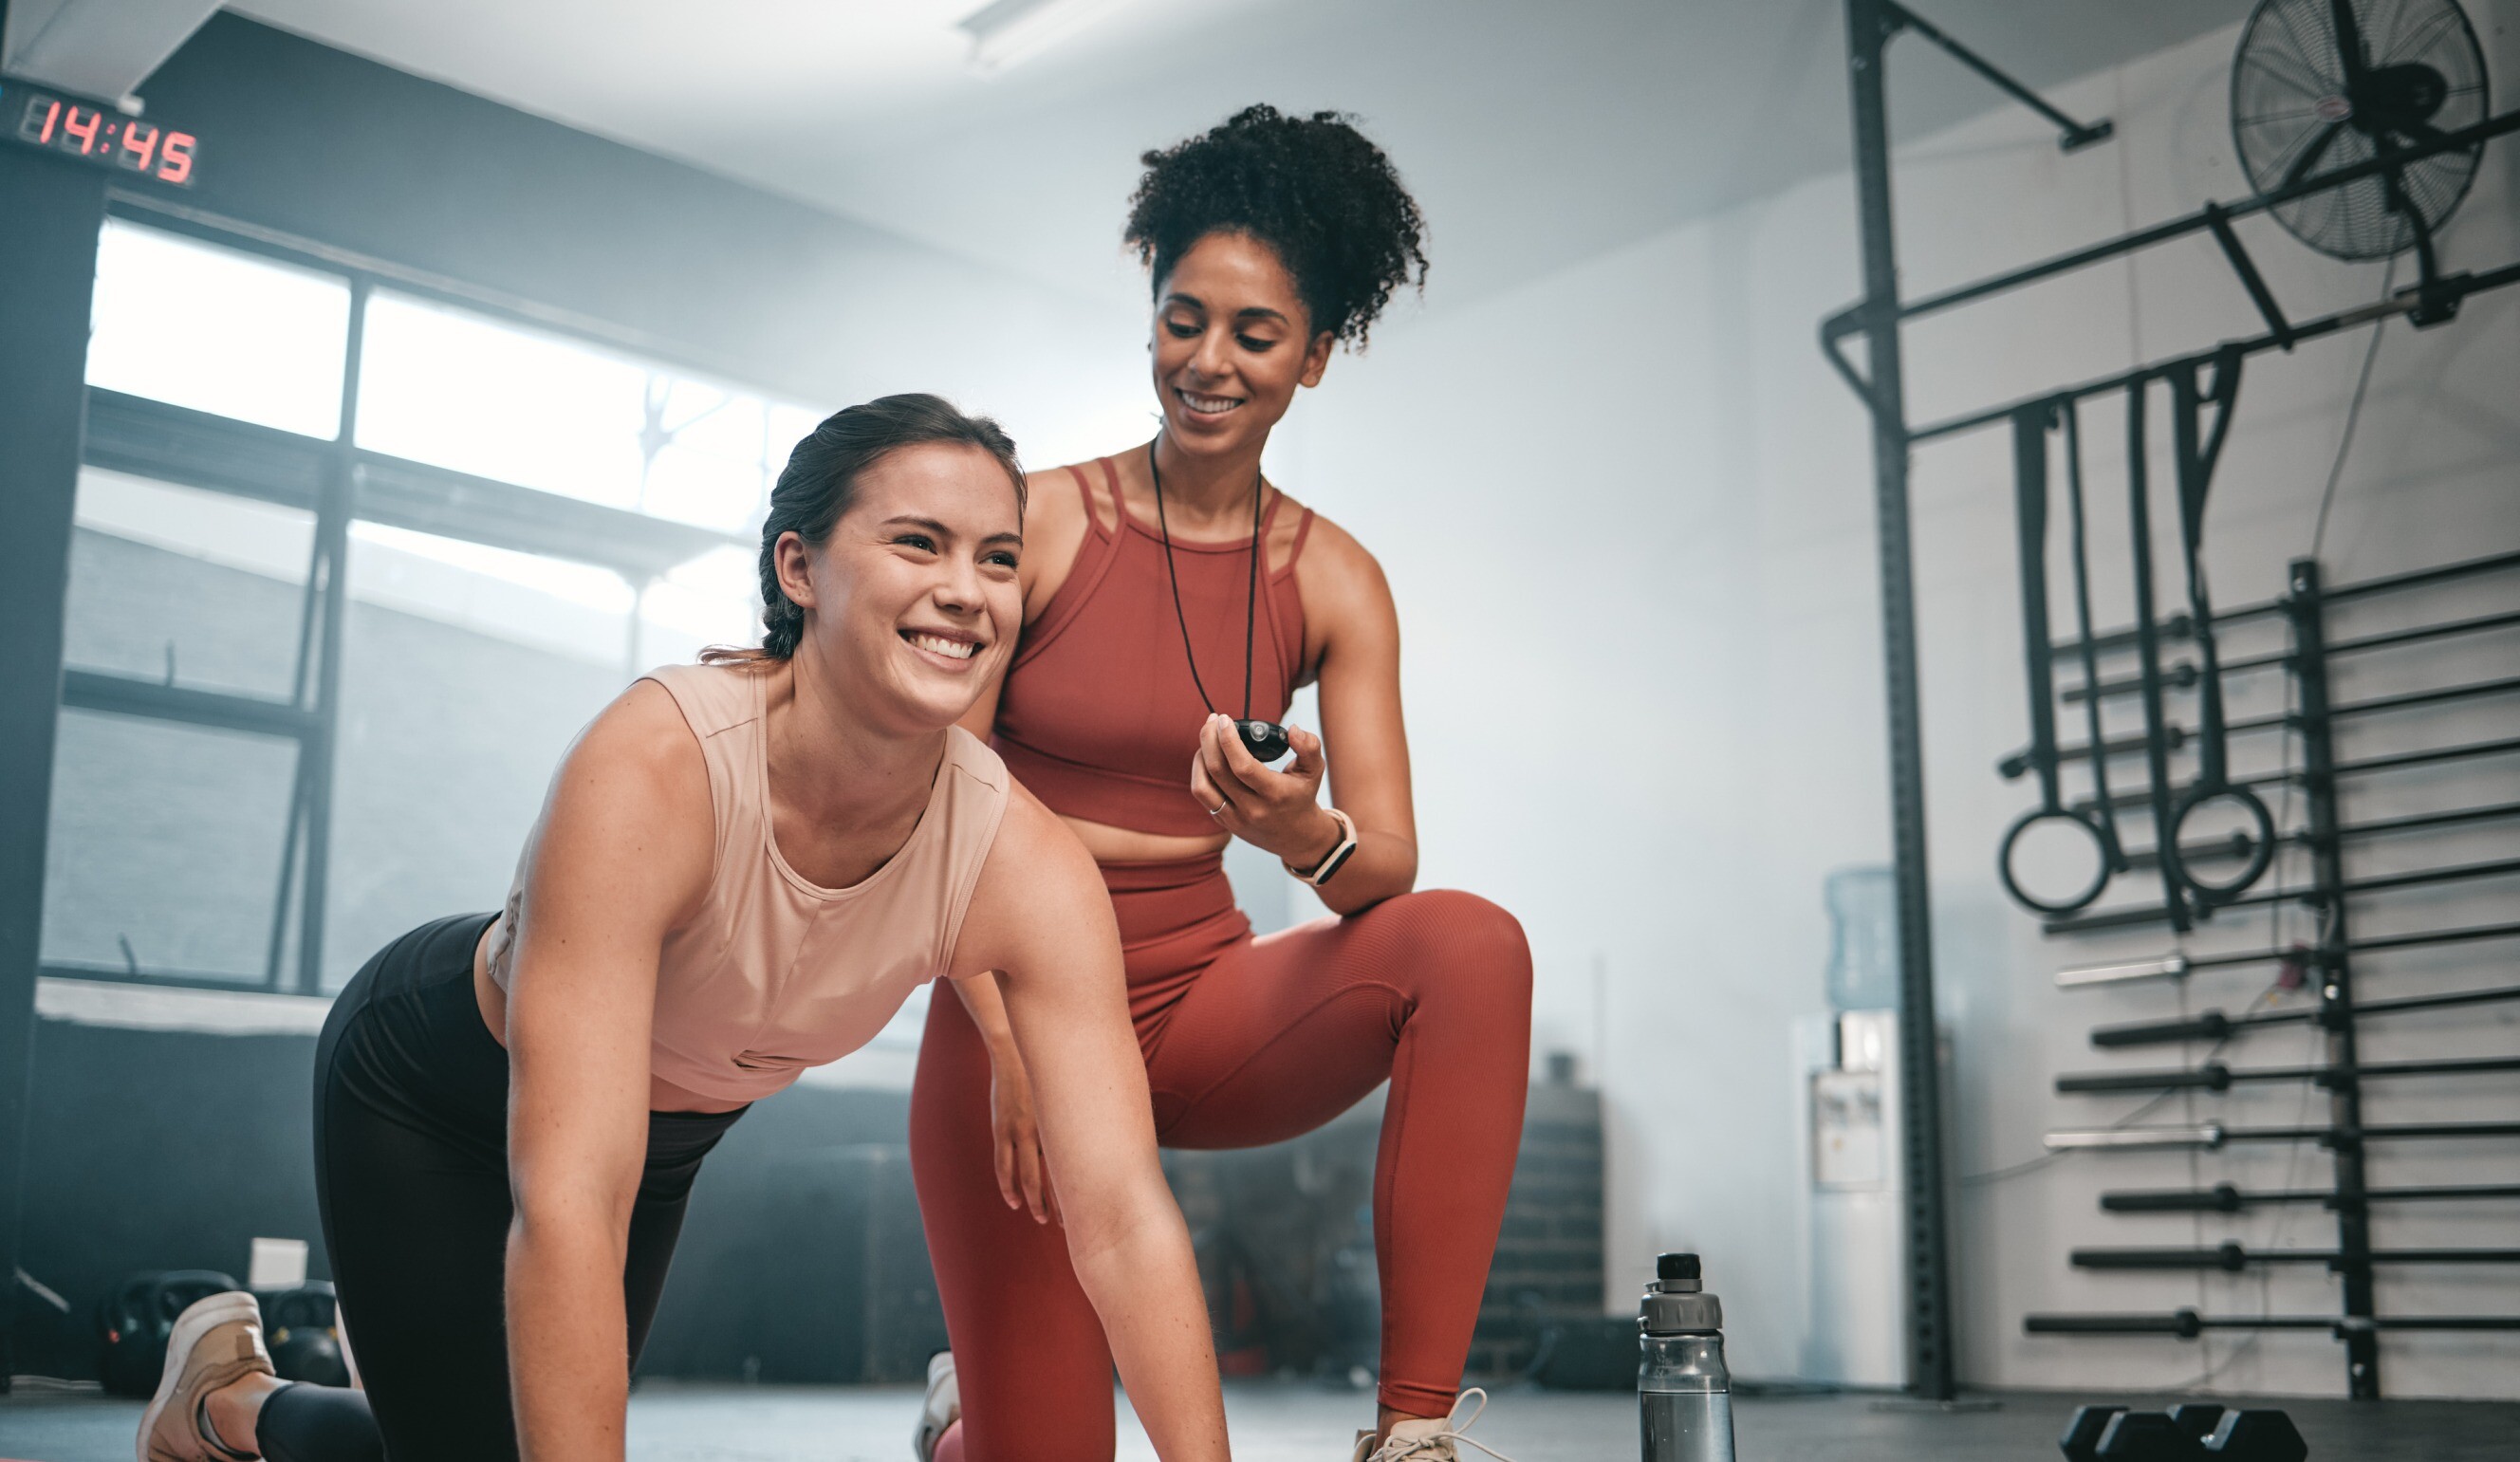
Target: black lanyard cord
<point x="1250" y="592"/>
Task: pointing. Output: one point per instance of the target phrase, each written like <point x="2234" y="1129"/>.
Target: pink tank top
<point x="775" y="974"/>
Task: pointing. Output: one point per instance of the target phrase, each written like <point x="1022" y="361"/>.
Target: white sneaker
<point x="215" y="1341"/>
<point x="1431" y="1440"/>
<point x="942" y="1408"/>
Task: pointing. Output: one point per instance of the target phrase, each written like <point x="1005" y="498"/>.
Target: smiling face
<point x="1232" y="343"/>
<point x="913" y="602"/>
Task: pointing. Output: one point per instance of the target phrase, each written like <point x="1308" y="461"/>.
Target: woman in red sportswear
<point x="1155" y="579"/>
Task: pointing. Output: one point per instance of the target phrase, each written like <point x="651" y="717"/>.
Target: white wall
<point x="1626" y="511"/>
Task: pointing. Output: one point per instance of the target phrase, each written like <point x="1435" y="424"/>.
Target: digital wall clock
<point x="99" y="134"/>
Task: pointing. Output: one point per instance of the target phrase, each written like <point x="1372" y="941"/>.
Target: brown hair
<point x="820" y="484"/>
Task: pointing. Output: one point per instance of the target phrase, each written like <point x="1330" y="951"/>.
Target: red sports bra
<point x="1099" y="717"/>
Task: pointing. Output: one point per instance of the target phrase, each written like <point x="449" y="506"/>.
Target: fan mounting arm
<point x="2348" y="45"/>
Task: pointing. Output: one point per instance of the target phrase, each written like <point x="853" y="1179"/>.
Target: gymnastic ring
<point x="2261" y="836"/>
<point x="2013" y="841"/>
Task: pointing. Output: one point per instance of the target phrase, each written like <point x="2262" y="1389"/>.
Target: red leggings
<point x="1247" y="1042"/>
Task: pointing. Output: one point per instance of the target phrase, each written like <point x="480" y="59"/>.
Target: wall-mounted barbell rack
<point x="1879" y="319"/>
<point x="2329" y="966"/>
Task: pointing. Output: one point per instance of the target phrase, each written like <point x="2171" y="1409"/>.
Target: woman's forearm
<point x="987" y="1006"/>
<point x="1384" y="865"/>
<point x="1143" y="1284"/>
<point x="568" y="1341"/>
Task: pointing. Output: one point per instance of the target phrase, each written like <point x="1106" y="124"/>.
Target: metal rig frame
<point x="1870" y="26"/>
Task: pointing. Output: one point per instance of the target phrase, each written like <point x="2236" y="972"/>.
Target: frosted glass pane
<point x="217" y="330"/>
<point x="466" y="672"/>
<point x="788" y="425"/>
<point x="712" y="462"/>
<point x="709" y="600"/>
<point x="193" y="588"/>
<point x="461" y="390"/>
<point x="164" y="852"/>
<point x="550" y="604"/>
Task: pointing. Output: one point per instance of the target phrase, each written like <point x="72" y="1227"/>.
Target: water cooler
<point x="1848" y="1067"/>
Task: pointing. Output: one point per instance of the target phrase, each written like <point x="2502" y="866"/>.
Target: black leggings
<point x="411" y="1177"/>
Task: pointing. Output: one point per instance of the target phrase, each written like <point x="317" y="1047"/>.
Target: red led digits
<point x="42" y="132"/>
<point x="102" y="137"/>
<point x="175" y="162"/>
<point x="139" y="147"/>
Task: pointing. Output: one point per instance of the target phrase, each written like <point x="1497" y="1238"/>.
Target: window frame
<point x="340" y="482"/>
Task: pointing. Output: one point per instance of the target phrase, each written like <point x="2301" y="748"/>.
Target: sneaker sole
<point x="933" y="1422"/>
<point x="190" y="1326"/>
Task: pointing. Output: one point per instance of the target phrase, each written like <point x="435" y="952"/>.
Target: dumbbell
<point x="2194" y="1433"/>
<point x="2257" y="1437"/>
<point x="2082" y="1440"/>
<point x="2148" y="1437"/>
<point x="2198" y="1418"/>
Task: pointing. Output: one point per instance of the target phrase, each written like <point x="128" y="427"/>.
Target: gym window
<point x="315" y="686"/>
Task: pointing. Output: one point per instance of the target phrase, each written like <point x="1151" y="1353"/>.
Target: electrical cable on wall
<point x="2276" y="911"/>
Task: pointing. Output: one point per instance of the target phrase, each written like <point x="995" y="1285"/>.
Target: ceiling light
<point x="1007" y="33"/>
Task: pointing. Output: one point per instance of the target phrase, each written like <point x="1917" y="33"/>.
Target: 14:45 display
<point x="99" y="136"/>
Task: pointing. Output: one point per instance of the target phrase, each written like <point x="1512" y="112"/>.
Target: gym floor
<point x="1293" y="1423"/>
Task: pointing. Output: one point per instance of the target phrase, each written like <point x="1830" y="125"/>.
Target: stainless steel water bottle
<point x="1683" y="1392"/>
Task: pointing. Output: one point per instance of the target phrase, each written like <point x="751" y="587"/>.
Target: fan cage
<point x="2288" y="91"/>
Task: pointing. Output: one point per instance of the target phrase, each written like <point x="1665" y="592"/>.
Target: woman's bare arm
<point x="1055" y="529"/>
<point x="1041" y="920"/>
<point x="1362" y="746"/>
<point x="620" y="855"/>
<point x="1362" y="724"/>
<point x="1014" y="1125"/>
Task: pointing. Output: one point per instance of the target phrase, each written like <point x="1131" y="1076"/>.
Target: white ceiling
<point x="1535" y="135"/>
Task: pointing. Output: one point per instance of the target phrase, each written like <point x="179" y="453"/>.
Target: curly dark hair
<point x="1312" y="188"/>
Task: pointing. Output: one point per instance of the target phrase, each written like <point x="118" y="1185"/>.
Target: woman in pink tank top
<point x="1165" y="584"/>
<point x="742" y="869"/>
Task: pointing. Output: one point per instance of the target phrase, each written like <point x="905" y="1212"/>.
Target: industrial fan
<point x="2324" y="84"/>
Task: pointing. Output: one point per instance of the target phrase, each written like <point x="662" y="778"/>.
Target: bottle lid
<point x="1678" y="1275"/>
<point x="1681" y="1315"/>
<point x="1676" y="1302"/>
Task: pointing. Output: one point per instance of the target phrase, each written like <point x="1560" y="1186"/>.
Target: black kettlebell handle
<point x="311" y="1305"/>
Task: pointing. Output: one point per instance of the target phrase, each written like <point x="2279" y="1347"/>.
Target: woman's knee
<point x="1468" y="942"/>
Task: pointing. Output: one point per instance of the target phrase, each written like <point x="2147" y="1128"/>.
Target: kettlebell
<point x="134" y="1319"/>
<point x="303" y="1329"/>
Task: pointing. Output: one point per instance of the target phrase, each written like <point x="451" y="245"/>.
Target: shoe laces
<point x="1454" y="1430"/>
